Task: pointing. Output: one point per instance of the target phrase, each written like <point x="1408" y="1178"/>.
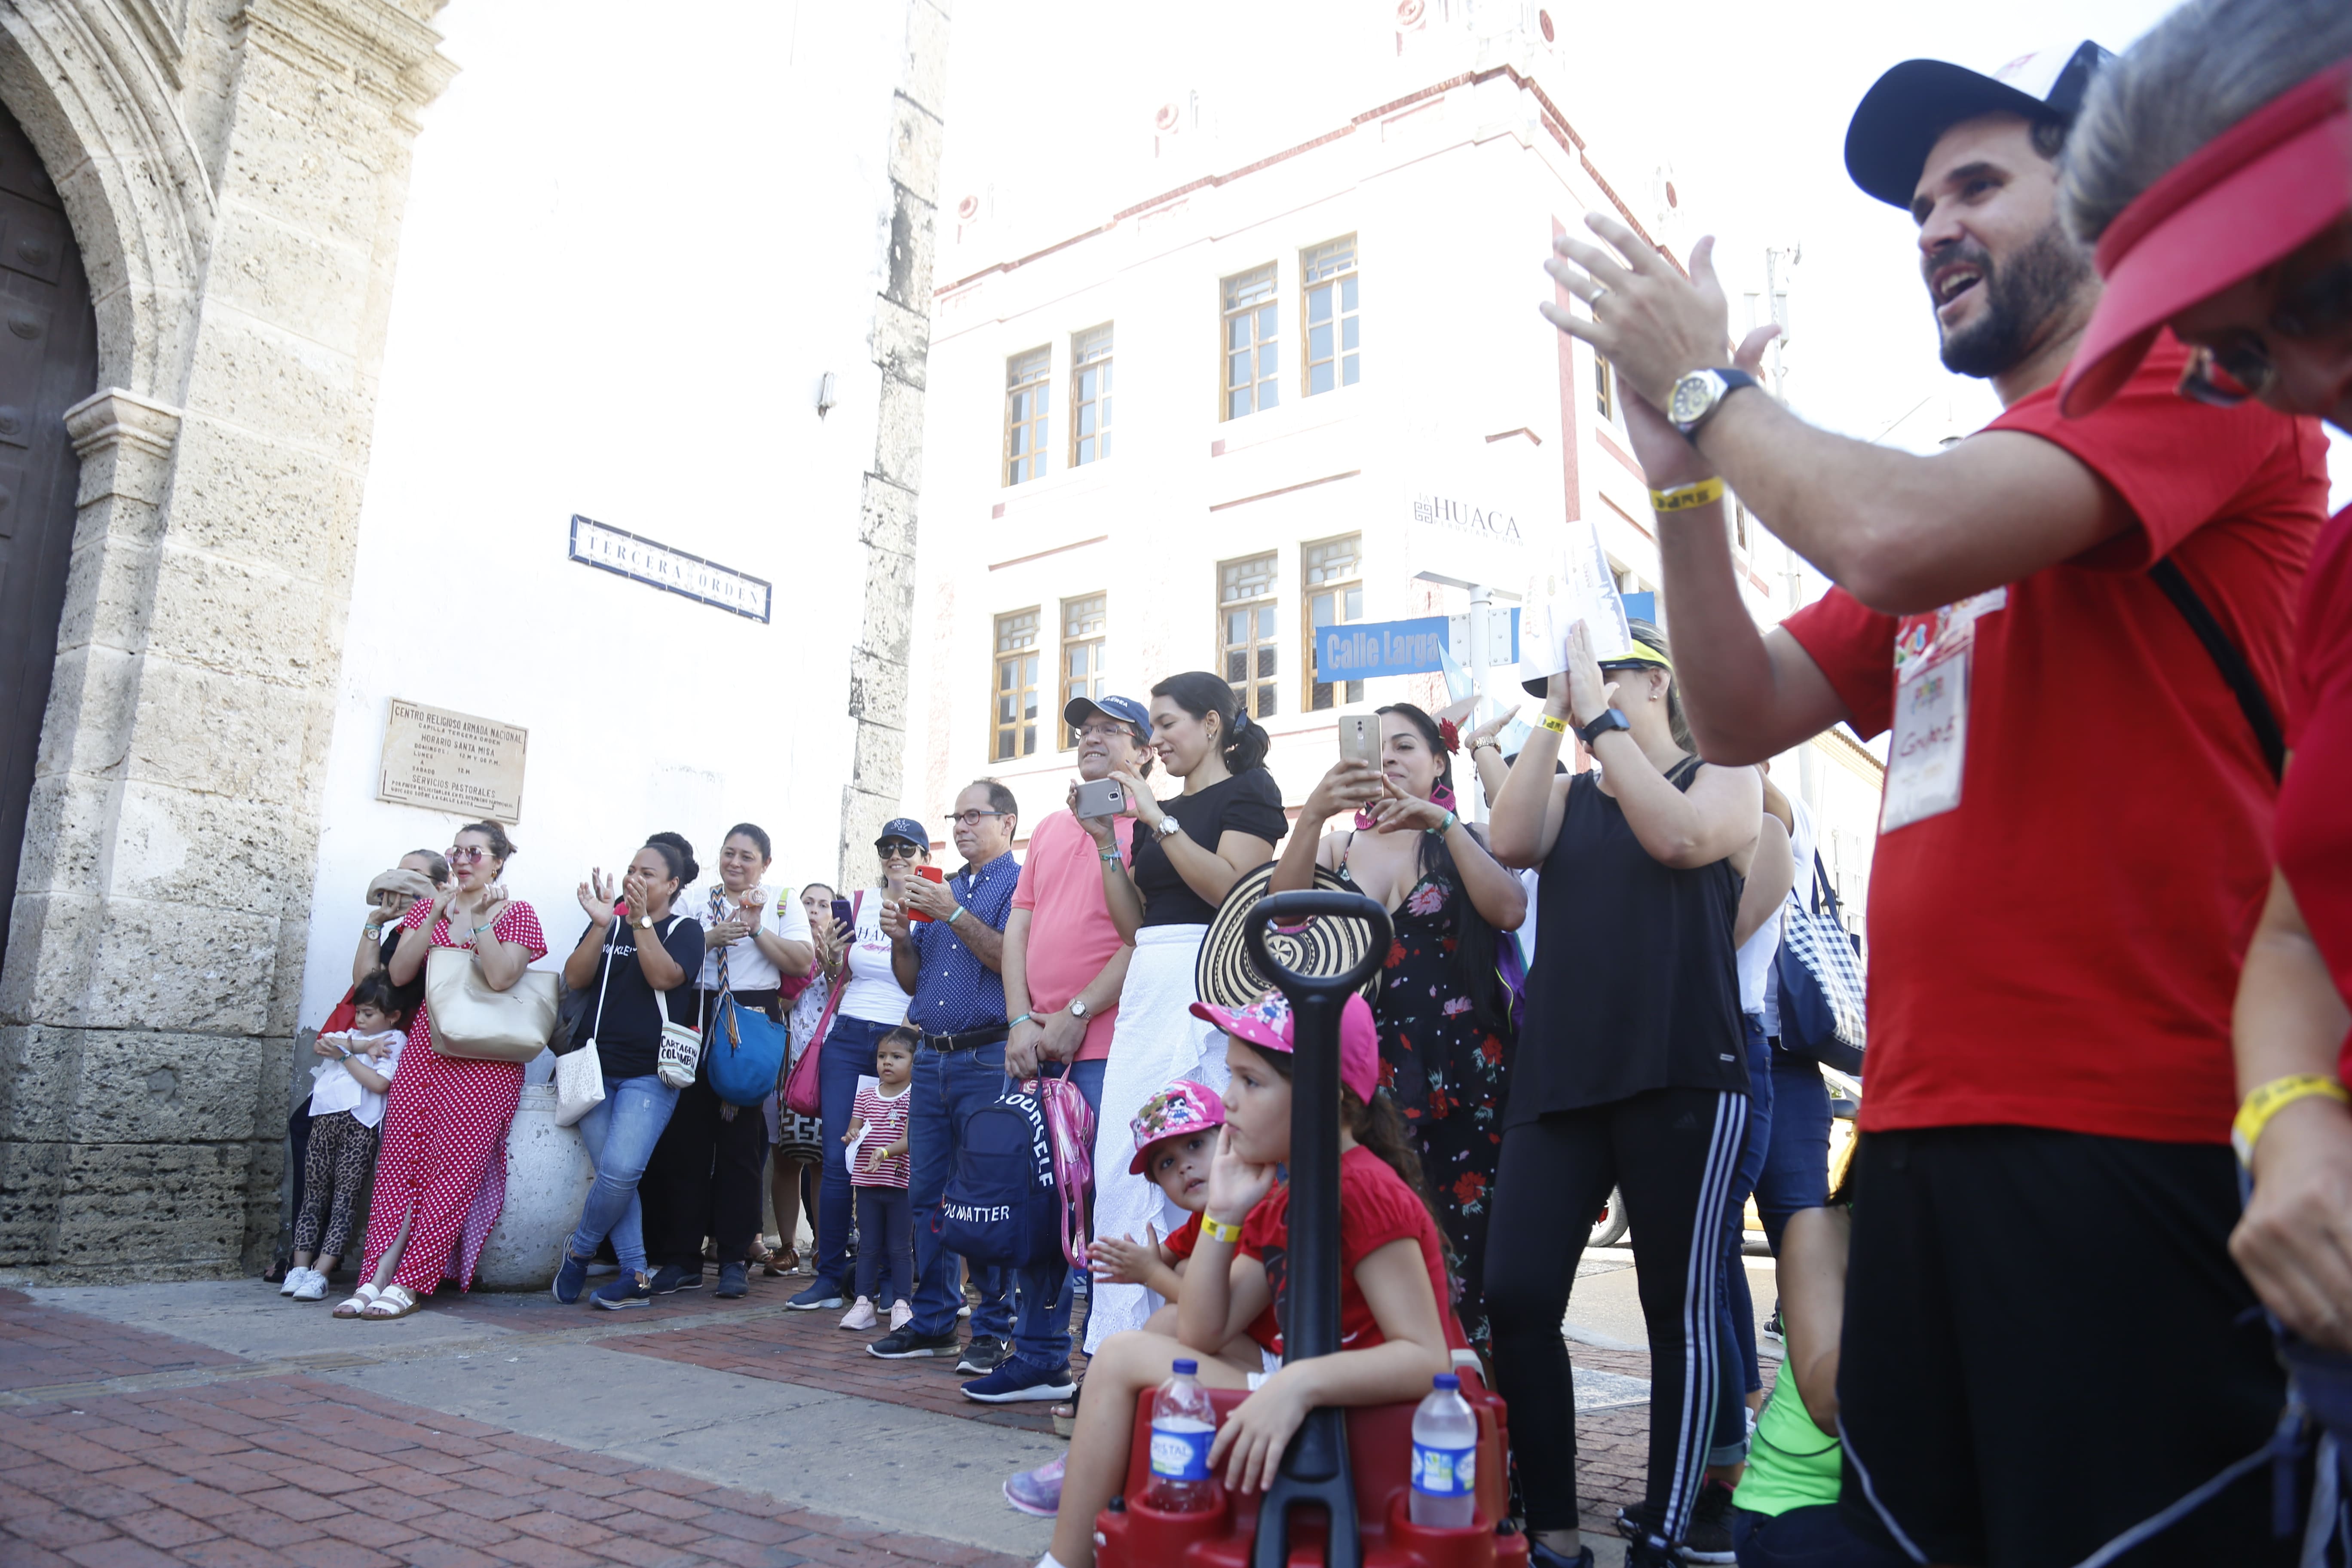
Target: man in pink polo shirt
<point x="1061" y="990"/>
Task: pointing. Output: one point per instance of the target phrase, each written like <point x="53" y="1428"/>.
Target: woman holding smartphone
<point x="1630" y="1074"/>
<point x="1189" y="851"/>
<point x="1447" y="1039"/>
<point x="873" y="1004"/>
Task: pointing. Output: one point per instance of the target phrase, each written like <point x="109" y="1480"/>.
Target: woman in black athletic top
<point x="1631" y="1073"/>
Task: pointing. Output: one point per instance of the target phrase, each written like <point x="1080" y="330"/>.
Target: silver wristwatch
<point x="1078" y="1009"/>
<point x="1168" y="827"/>
<point x="1696" y="396"/>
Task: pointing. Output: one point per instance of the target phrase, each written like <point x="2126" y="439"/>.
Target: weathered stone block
<point x="256" y="376"/>
<point x="222" y="734"/>
<point x="177" y="1205"/>
<point x="889" y="604"/>
<point x="197" y="966"/>
<point x="52" y="940"/>
<point x="928" y="37"/>
<point x="110" y="594"/>
<point x="292" y="508"/>
<point x="281" y="166"/>
<point x="292" y="278"/>
<point x="902" y="341"/>
<point x="40" y="1069"/>
<point x="225" y="615"/>
<point x="886" y="518"/>
<point x="139" y="1086"/>
<point x="216" y="851"/>
<point x="915" y="138"/>
<point x="32" y="1179"/>
<point x="93" y="693"/>
<point x="898" y="434"/>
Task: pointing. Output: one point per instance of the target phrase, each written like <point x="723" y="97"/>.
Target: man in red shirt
<point x="2046" y="1342"/>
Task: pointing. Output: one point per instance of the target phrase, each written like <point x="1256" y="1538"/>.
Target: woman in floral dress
<point x="1443" y="1008"/>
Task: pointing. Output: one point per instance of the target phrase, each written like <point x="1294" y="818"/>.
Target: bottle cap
<point x="1446" y="1381"/>
<point x="1187" y="1368"/>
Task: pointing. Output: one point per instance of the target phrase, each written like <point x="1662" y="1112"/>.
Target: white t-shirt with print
<point x="748" y="969"/>
<point x="333" y="1088"/>
<point x="873" y="994"/>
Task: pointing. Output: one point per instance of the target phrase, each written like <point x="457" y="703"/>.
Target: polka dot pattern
<point x="444" y="1152"/>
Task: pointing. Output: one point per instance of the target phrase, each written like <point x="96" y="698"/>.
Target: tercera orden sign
<point x="657" y="566"/>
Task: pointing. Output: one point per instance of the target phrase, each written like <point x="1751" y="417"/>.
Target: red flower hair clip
<point x="1451" y="736"/>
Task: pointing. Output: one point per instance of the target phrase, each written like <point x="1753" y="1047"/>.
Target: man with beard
<point x="2075" y="634"/>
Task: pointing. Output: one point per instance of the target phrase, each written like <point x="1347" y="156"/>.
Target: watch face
<point x="1692" y="396"/>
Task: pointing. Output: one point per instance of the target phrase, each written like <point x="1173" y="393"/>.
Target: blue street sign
<point x="1641" y="606"/>
<point x="1363" y="650"/>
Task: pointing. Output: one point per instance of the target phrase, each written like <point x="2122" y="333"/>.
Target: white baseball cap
<point x="1895" y="126"/>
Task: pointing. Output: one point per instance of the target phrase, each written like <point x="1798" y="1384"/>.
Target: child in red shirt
<point x="1397" y="1331"/>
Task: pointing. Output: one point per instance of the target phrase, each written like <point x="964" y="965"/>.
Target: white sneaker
<point x="293" y="1281"/>
<point x="860" y="1316"/>
<point x="313" y="1287"/>
<point x="900" y="1315"/>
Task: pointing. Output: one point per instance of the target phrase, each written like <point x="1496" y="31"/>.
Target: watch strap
<point x="1611" y="719"/>
<point x="1729" y="380"/>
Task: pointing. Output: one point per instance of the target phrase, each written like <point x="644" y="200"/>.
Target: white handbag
<point x="681" y="1047"/>
<point x="578" y="1075"/>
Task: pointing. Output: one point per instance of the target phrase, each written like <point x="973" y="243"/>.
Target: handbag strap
<point x="663" y="996"/>
<point x="2236" y="673"/>
<point x="601" y="986"/>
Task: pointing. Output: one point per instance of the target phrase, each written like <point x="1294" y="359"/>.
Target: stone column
<point x="147" y="1010"/>
<point x="902" y="336"/>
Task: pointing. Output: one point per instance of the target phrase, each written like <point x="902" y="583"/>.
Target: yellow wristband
<point x="1557" y="726"/>
<point x="2268" y="1100"/>
<point x="1682" y="497"/>
<point x="1217" y="1230"/>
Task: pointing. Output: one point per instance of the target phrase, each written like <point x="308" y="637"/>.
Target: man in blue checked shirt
<point x="951" y="961"/>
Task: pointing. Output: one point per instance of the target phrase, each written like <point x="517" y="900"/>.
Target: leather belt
<point x="969" y="1040"/>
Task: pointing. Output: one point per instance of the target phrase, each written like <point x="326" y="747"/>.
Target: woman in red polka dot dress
<point x="441" y="1172"/>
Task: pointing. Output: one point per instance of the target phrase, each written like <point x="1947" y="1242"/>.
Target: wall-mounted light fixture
<point x="825" y="394"/>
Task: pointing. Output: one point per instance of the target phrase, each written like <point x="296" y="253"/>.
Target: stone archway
<point x="236" y="179"/>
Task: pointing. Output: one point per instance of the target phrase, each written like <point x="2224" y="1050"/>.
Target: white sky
<point x="1746" y="102"/>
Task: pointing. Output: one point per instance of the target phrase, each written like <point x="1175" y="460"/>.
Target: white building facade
<point x="1280" y="384"/>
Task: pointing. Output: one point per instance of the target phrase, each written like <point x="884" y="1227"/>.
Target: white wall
<point x="631" y="251"/>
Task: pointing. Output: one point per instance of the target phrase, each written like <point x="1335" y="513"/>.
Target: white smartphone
<point x="1100" y="797"/>
<point x="1359" y="739"/>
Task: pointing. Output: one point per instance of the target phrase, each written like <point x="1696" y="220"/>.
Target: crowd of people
<point x="2038" y="1322"/>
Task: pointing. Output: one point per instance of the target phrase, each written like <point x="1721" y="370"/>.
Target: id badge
<point x="1929" y="751"/>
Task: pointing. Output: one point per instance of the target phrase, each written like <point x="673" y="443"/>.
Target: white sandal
<point x="356" y="1305"/>
<point x="392" y="1302"/>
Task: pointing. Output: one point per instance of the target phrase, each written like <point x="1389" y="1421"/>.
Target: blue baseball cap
<point x="904" y="828"/>
<point x="1126" y="710"/>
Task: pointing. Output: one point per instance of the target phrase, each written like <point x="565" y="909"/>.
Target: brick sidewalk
<point x="288" y="1468"/>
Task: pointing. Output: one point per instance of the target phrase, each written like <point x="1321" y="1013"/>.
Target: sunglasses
<point x="897" y="849"/>
<point x="2228" y="373"/>
<point x="458" y="852"/>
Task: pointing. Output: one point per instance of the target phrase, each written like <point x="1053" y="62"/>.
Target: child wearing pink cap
<point x="1175" y="1140"/>
<point x="1397" y="1330"/>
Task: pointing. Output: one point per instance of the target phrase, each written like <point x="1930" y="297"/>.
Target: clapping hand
<point x="596" y="897"/>
<point x="894" y="921"/>
<point x="1492" y="728"/>
<point x="1121" y="1260"/>
<point x="1589" y="696"/>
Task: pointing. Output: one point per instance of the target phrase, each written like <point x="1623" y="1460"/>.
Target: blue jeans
<point x="949" y="1087"/>
<point x="847" y="1056"/>
<point x="1814" y="1537"/>
<point x="1797" y="1156"/>
<point x="1734" y="1309"/>
<point x="621" y="1130"/>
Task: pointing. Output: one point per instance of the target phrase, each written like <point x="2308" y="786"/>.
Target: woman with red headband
<point x="2212" y="167"/>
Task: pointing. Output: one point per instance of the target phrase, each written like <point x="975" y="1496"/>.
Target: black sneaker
<point x="1707" y="1539"/>
<point x="1542" y="1556"/>
<point x="983" y="1356"/>
<point x="1774" y="1330"/>
<point x="906" y="1344"/>
<point x="669" y="1279"/>
<point x="1646" y="1551"/>
<point x="734" y="1279"/>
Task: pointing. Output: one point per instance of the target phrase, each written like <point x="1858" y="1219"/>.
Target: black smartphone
<point x="842" y="914"/>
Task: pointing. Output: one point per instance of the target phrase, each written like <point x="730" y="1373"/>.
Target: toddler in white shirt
<point x="346" y="1114"/>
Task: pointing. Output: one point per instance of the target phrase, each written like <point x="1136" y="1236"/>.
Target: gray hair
<point x="2198" y="72"/>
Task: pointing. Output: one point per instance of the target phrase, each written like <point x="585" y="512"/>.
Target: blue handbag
<point x="1823" y="995"/>
<point x="746" y="1054"/>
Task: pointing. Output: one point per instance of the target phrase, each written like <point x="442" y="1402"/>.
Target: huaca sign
<point x="452" y="761"/>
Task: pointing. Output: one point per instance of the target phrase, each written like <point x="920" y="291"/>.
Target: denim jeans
<point x="1814" y="1537"/>
<point x="848" y="1055"/>
<point x="948" y="1087"/>
<point x="1734" y="1309"/>
<point x="621" y="1130"/>
<point x="1797" y="1156"/>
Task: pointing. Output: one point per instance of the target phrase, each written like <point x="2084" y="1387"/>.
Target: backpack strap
<point x="2236" y="673"/>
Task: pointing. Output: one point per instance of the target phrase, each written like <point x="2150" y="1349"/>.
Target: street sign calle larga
<point x="1366" y="650"/>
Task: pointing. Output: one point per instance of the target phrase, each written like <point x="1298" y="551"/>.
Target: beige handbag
<point x="471" y="1020"/>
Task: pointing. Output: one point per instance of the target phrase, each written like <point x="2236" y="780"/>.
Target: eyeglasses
<point x="973" y="818"/>
<point x="897" y="849"/>
<point x="1104" y="729"/>
<point x="2226" y="374"/>
<point x="458" y="852"/>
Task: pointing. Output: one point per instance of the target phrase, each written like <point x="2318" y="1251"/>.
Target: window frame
<point x="1079" y="367"/>
<point x="1353" y="692"/>
<point x="1265" y="388"/>
<point x="999" y="657"/>
<point x="1268" y="604"/>
<point x="1067" y="738"/>
<point x="1604" y="388"/>
<point x="1039" y="425"/>
<point x="1308" y="284"/>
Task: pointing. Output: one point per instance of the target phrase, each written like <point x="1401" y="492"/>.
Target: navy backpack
<point x="1000" y="1208"/>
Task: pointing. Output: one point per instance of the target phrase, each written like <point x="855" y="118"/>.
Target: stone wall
<point x="235" y="172"/>
<point x="902" y="333"/>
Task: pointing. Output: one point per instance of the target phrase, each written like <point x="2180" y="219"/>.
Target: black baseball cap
<point x="904" y="828"/>
<point x="1899" y="118"/>
<point x="1126" y="710"/>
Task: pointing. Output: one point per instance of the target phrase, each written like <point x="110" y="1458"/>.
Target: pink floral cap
<point x="1180" y="1109"/>
<point x="1267" y="1022"/>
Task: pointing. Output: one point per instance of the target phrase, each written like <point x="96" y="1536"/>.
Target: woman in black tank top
<point x="1630" y="1074"/>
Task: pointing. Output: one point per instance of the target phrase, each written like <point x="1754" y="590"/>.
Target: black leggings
<point x="1672" y="1152"/>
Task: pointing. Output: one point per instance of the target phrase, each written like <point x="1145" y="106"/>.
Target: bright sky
<point x="1746" y="102"/>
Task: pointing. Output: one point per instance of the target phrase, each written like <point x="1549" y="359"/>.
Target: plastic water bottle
<point x="1184" y="1425"/>
<point x="1444" y="1459"/>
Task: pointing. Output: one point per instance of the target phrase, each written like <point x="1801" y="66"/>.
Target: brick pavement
<point x="202" y="1456"/>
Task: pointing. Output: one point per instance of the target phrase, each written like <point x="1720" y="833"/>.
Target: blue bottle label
<point x="1445" y="1472"/>
<point x="1181" y="1453"/>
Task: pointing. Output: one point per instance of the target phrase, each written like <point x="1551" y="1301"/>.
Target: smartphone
<point x="1359" y="739"/>
<point x="1101" y="797"/>
<point x="928" y="874"/>
<point x="843" y="915"/>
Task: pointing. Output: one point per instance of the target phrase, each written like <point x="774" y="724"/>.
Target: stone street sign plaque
<point x="452" y="761"/>
<point x="643" y="560"/>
